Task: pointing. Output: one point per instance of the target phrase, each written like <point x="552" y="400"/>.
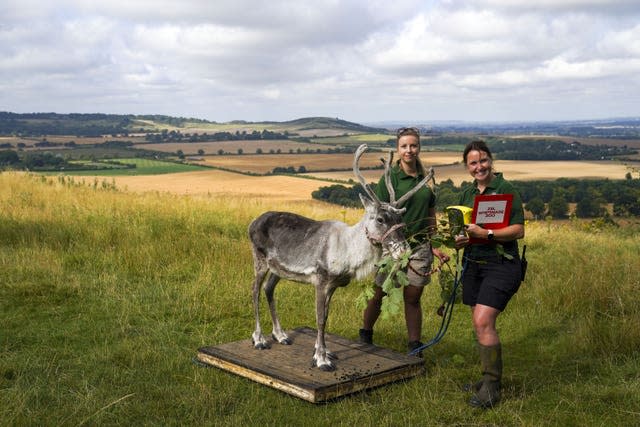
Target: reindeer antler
<point x="429" y="176"/>
<point x="356" y="170"/>
<point x="387" y="177"/>
<point x="395" y="205"/>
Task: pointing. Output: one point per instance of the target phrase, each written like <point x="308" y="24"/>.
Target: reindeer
<point x="326" y="254"/>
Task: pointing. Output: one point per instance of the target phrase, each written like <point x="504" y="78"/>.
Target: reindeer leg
<point x="322" y="358"/>
<point x="277" y="333"/>
<point x="259" y="340"/>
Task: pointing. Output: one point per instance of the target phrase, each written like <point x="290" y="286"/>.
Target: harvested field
<point x="63" y="139"/>
<point x="212" y="147"/>
<point x="631" y="143"/>
<point x="312" y="162"/>
<point x="217" y="182"/>
<point x="513" y="170"/>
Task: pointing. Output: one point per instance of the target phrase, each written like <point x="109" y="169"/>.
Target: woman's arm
<point x="506" y="234"/>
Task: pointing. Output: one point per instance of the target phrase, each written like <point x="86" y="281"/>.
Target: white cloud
<point x="360" y="60"/>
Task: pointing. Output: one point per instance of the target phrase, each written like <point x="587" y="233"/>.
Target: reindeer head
<point x="383" y="221"/>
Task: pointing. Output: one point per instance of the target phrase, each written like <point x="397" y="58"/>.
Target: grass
<point x="105" y="297"/>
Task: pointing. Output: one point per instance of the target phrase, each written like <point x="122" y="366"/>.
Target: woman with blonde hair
<point x="420" y="218"/>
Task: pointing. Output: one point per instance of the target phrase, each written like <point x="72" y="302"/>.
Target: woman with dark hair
<point x="490" y="277"/>
<point x="420" y="218"/>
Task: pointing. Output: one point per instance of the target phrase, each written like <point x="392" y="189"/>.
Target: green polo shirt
<point x="417" y="214"/>
<point x="498" y="185"/>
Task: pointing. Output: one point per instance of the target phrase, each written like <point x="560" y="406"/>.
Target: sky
<point x="366" y="61"/>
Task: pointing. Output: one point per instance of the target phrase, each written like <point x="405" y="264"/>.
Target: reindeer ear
<point x="366" y="202"/>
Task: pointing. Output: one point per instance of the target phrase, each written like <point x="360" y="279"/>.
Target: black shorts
<point x="490" y="282"/>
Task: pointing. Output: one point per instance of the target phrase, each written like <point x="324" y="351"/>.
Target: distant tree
<point x="302" y="169"/>
<point x="536" y="207"/>
<point x="558" y="206"/>
<point x="590" y="206"/>
<point x="201" y="152"/>
<point x="258" y="150"/>
<point x="180" y="154"/>
<point x="8" y="158"/>
<point x="220" y="152"/>
<point x="240" y="151"/>
<point x="627" y="203"/>
<point x="446" y="197"/>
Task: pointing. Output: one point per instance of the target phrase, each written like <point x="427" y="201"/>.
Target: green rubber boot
<point x="489" y="393"/>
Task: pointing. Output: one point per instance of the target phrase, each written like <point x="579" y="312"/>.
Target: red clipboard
<point x="492" y="211"/>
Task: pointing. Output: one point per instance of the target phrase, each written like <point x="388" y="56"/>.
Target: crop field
<point x="56" y="139"/>
<point x="197" y="127"/>
<point x="631" y="143"/>
<point x="515" y="170"/>
<point x="221" y="183"/>
<point x="311" y="162"/>
<point x="158" y="176"/>
<point x="232" y="147"/>
<point x="143" y="167"/>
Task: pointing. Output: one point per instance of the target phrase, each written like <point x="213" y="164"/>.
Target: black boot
<point x="472" y="387"/>
<point x="412" y="345"/>
<point x="488" y="394"/>
<point x="366" y="336"/>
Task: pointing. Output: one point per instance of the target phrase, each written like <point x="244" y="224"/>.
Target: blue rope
<point x="448" y="313"/>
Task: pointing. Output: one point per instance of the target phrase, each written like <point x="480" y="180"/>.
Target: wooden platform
<point x="288" y="367"/>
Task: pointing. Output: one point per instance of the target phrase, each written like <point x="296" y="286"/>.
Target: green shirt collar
<point x="397" y="169"/>
<point x="493" y="186"/>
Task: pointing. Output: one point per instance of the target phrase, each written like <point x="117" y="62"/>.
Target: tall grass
<point x="105" y="297"/>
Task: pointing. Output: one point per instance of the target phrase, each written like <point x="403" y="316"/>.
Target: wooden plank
<point x="288" y="367"/>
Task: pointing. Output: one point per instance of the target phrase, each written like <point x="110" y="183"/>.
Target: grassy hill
<point x="35" y="124"/>
<point x="105" y="297"/>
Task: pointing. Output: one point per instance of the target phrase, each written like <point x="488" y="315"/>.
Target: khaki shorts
<point x="420" y="267"/>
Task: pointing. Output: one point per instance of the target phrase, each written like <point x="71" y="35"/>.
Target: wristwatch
<point x="490" y="234"/>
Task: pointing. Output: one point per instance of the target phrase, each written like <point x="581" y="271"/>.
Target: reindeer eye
<point x="379" y="220"/>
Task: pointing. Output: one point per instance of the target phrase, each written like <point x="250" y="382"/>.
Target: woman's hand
<point x="470" y="230"/>
<point x="462" y="240"/>
<point x="474" y="230"/>
<point x="441" y="255"/>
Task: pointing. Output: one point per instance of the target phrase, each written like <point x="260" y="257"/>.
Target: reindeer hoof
<point x="260" y="345"/>
<point x="284" y="341"/>
<point x="327" y="368"/>
<point x="326" y="365"/>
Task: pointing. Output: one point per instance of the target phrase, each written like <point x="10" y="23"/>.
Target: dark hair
<point x="477" y="145"/>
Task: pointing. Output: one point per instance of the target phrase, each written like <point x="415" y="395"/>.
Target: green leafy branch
<point x="393" y="285"/>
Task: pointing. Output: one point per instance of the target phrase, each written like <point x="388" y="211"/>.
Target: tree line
<point x="177" y="136"/>
<point x="541" y="198"/>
